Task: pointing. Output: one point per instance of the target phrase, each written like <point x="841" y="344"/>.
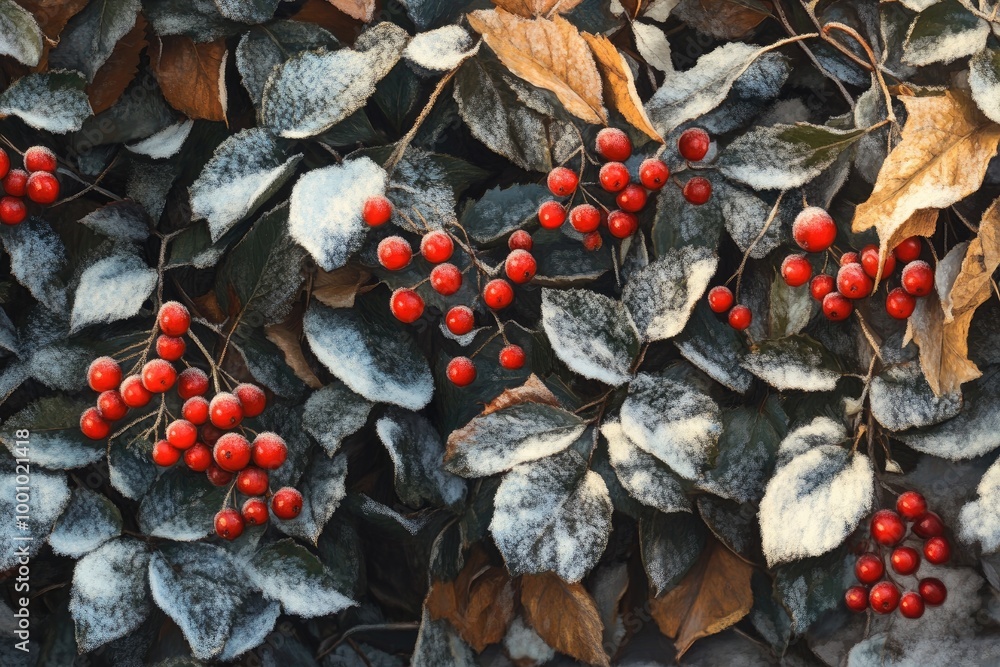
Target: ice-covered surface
<point x="287" y="572"/>
<point x="54" y="422"/>
<point x="180" y="506"/>
<point x="48" y="497"/>
<point x="54" y="102"/>
<point x="323" y="487"/>
<point x="820" y="431"/>
<point x="20" y="36"/>
<point x="944" y="33"/>
<point x="660" y="296"/>
<point x="795" y="362"/>
<point x="333" y="413"/>
<point x="252" y="622"/>
<point x="745" y="215"/>
<point x="647" y="479"/>
<point x="979" y="520"/>
<point x="441" y="49"/>
<point x="902" y="399"/>
<point x="165" y="143"/>
<point x="113" y="288"/>
<point x="89" y="521"/>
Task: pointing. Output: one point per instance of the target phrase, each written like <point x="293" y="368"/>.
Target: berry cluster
<point x="888" y="529"/>
<point x="204" y="435"/>
<point x="37" y="182"/>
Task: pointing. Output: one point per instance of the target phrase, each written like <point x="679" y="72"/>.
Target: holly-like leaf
<point x="111" y="289"/>
<point x="564" y="615"/>
<point x="180" y="506"/>
<point x="644" y="476"/>
<point x="89" y="521"/>
<point x="192" y="75"/>
<point x="902" y="399"/>
<point x="333" y="413"/>
<point x="944" y="32"/>
<point x="37" y="256"/>
<point x="978" y="520"/>
<point x="795" y="362"/>
<point x="54" y="101"/>
<point x="20" y="36"/>
<point x="289" y="573"/>
<point x="323" y="487"/>
<point x="619" y="84"/>
<point x="661" y="296"/>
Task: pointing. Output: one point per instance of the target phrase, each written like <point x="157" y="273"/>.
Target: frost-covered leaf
<point x="902" y="399"/>
<point x="504" y="438"/>
<point x="56" y="441"/>
<point x="382" y="364"/>
<point x="790" y="308"/>
<point x="979" y="521"/>
<point x="660" y="297"/>
<point x="261" y="49"/>
<point x="644" y="476"/>
<point x="333" y="413"/>
<point x="49" y="495"/>
<point x="247" y="11"/>
<point x="111" y="289"/>
<point x="500" y="212"/>
<point x="325" y="210"/>
<point x="653" y="46"/>
<point x="20" y="36"/>
<point x="441" y="49"/>
<point x="289" y="573"/>
<point x="944" y="32"/>
<point x="673" y="420"/>
<point x="591" y="333"/>
<point x="439" y="644"/>
<point x="130" y="467"/>
<point x="265" y="363"/>
<point x="37" y="255"/>
<point x="122" y="221"/>
<point x="180" y="506"/>
<point x="90" y="37"/>
<point x="984" y="80"/>
<point x="417" y="452"/>
<point x="110" y="597"/>
<point x="322" y="487"/>
<point x="746" y="215"/>
<point x="669" y="545"/>
<point x="795" y="362"/>
<point x="89" y="521"/>
<point x="54" y="101"/>
<point x="252" y="623"/>
<point x="246" y="169"/>
<point x="715" y="348"/>
<point x="313" y="91"/>
<point x="552" y="515"/>
<point x="678" y="224"/>
<point x="165" y="143"/>
<point x="810" y="587"/>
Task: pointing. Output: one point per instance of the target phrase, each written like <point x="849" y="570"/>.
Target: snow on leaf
<point x="165" y="143"/>
<point x="89" y="521"/>
<point x="111" y="289"/>
<point x="247" y="11"/>
<point x="552" y="515"/>
<point x="441" y="49"/>
<point x="661" y="296"/>
<point x="54" y="101"/>
<point x="56" y="441"/>
<point x="795" y="362"/>
<point x="252" y="623"/>
<point x="287" y="572"/>
<point x="37" y="255"/>
<point x="979" y="520"/>
<point x="944" y="32"/>
<point x="325" y="209"/>
<point x="984" y="80"/>
<point x="673" y="420"/>
<point x="180" y="506"/>
<point x="20" y="36"/>
<point x="715" y="348"/>
<point x="902" y="399"/>
<point x="820" y="431"/>
<point x="322" y="487"/>
<point x="382" y="364"/>
<point x="313" y="91"/>
<point x="669" y="545"/>
<point x="120" y="220"/>
<point x="90" y="37"/>
<point x="591" y="333"/>
<point x="500" y="212"/>
<point x="417" y="452"/>
<point x="333" y="413"/>
<point x="523" y="643"/>
<point x="439" y="644"/>
<point x="49" y="495"/>
<point x="646" y="478"/>
<point x="261" y="49"/>
<point x="110" y="597"/>
<point x="653" y="46"/>
<point x="745" y="215"/>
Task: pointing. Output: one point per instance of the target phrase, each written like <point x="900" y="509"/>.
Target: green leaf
<point x="499" y="212"/>
<point x="715" y="348"/>
<point x="322" y="487"/>
<point x="794" y="362"/>
<point x="902" y="399"/>
<point x="89" y="521"/>
<point x="984" y="80"/>
<point x="670" y="544"/>
<point x="564" y="262"/>
<point x="20" y="36"/>
<point x="90" y="37"/>
<point x="266" y="362"/>
<point x="289" y="573"/>
<point x="790" y="308"/>
<point x="812" y="586"/>
<point x="200" y="20"/>
<point x="679" y="223"/>
<point x="645" y="477"/>
<point x="122" y="220"/>
<point x="56" y="441"/>
<point x="333" y="413"/>
<point x="944" y="32"/>
<point x="37" y="256"/>
<point x="54" y="101"/>
<point x="181" y="506"/>
<point x="732" y="524"/>
<point x="661" y="296"/>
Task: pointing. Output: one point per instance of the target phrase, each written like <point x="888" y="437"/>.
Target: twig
<point x="397" y="154"/>
<point x="746" y="255"/>
<point x="890" y="116"/>
<point x="208" y="357"/>
<point x="812" y="56"/>
<point x="92" y="186"/>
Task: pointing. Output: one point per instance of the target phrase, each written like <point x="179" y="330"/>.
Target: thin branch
<point x="746" y="255"/>
<point x="397" y="154"/>
<point x="812" y="56"/>
<point x="890" y="115"/>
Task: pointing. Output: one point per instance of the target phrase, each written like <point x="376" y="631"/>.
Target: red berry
<point x="12" y="211"/>
<point x="498" y="294"/>
<point x="376" y="211"/>
<point x="286" y="503"/>
<point x="520" y="240"/>
<point x="884" y="597"/>
<point x="461" y="371"/>
<point x="181" y="433"/>
<point x="551" y="214"/>
<point x="520" y="266"/>
<point x="585" y="218"/>
<point x="911" y="505"/>
<point x="460" y="320"/>
<point x="394" y="252"/>
<point x="252" y="399"/>
<point x="111" y="406"/>
<point x="198" y="457"/>
<point x="869" y="568"/>
<point x="93" y="425"/>
<point x="821" y="285"/>
<point x="869" y="260"/>
<point x="918" y="278"/>
<point x="899" y="304"/>
<point x="210" y="434"/>
<point x="43" y="187"/>
<point x="252" y="482"/>
<point x="437" y="247"/>
<point x="837" y="307"/>
<point x="905" y="560"/>
<point x="632" y="198"/>
<point x="228" y="524"/>
<point x="613" y="176"/>
<point x="697" y="190"/>
<point x="38" y="158"/>
<point x="908" y="249"/>
<point x="562" y="181"/>
<point x="269" y="450"/>
<point x="622" y="224"/>
<point x="174" y="319"/>
<point x="15" y="183"/>
<point x="693" y="144"/>
<point x="512" y="357"/>
<point x="225" y="411"/>
<point x="814" y="230"/>
<point x="133" y="393"/>
<point x="406" y="305"/>
<point x="158" y="376"/>
<point x="937" y="550"/>
<point x="592" y="241"/>
<point x="165" y="454"/>
<point x="192" y="382"/>
<point x="613" y="144"/>
<point x="217" y="475"/>
<point x="232" y="452"/>
<point x="911" y="605"/>
<point x="740" y="317"/>
<point x="720" y="299"/>
<point x="849" y="258"/>
<point x="653" y="173"/>
<point x="446" y="279"/>
<point x="4" y="163"/>
<point x="254" y="512"/>
<point x="856" y="598"/>
<point x="104" y="373"/>
<point x="796" y="270"/>
<point x="928" y="525"/>
<point x="853" y="282"/>
<point x="170" y="348"/>
<point x="933" y="591"/>
<point x="887" y="528"/>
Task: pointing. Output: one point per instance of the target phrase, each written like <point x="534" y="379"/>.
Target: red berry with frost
<point x="4" y="163"/>
<point x="232" y="452"/>
<point x="693" y="144"/>
<point x="512" y="357"/>
<point x="437" y="247"/>
<point x="562" y="181"/>
<point x="251" y="397"/>
<point x="192" y="382"/>
<point x="12" y="211"/>
<point x="911" y="505"/>
<point x="933" y="591"/>
<point x="254" y="512"/>
<point x="498" y="294"/>
<point x="837" y="307"/>
<point x="720" y="299"/>
<point x="613" y="144"/>
<point x="613" y="176"/>
<point x="908" y="249"/>
<point x="904" y="560"/>
<point x="884" y="597"/>
<point x="181" y="433"/>
<point x="225" y="411"/>
<point x="911" y="605"/>
<point x="394" y="253"/>
<point x="42" y="187"/>
<point x="520" y="240"/>
<point x="286" y="503"/>
<point x="632" y="198"/>
<point x="740" y="317"/>
<point x="133" y="393"/>
<point x="937" y="550"/>
<point x="269" y="450"/>
<point x="856" y="598"/>
<point x="104" y="373"/>
<point x="15" y="183"/>
<point x="158" y="376"/>
<point x="460" y="320"/>
<point x="551" y="214"/>
<point x="849" y="258"/>
<point x="39" y="158"/>
<point x="170" y="348"/>
<point x="217" y="476"/>
<point x="697" y="190"/>
<point x="461" y="371"/>
<point x="853" y="282"/>
<point x="869" y="260"/>
<point x="198" y="457"/>
<point x="592" y="241"/>
<point x="93" y="425"/>
<point x="520" y="267"/>
<point x="796" y="270"/>
<point x="376" y="211"/>
<point x="174" y="319"/>
<point x="814" y="230"/>
<point x="622" y="224"/>
<point x="918" y="278"/>
<point x="821" y="285"/>
<point x="869" y="568"/>
<point x="252" y="482"/>
<point x="887" y="528"/>
<point x="111" y="406"/>
<point x="928" y="525"/>
<point x="228" y="524"/>
<point x="406" y="305"/>
<point x="165" y="454"/>
<point x="446" y="279"/>
<point x="653" y="173"/>
<point x="584" y="218"/>
<point x="899" y="304"/>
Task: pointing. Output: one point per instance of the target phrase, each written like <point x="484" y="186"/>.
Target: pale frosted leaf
<point x="333" y="413"/>
<point x="500" y="212"/>
<point x="661" y="296"/>
<point x="417" y="453"/>
<point x="439" y="644"/>
<point x="252" y="623"/>
<point x="441" y="49"/>
<point x="423" y="182"/>
<point x="20" y="36"/>
<point x="653" y="46"/>
<point x="795" y="362"/>
<point x="111" y="289"/>
<point x="165" y="143"/>
<point x="984" y="80"/>
<point x="323" y="488"/>
<point x="619" y="84"/>
<point x="646" y="478"/>
<point x="820" y="431"/>
<point x="918" y="5"/>
<point x="715" y="348"/>
<point x="110" y="598"/>
<point x="745" y="215"/>
<point x="37" y="255"/>
<point x="287" y="572"/>
<point x="247" y="11"/>
<point x="979" y="520"/>
<point x="90" y="37"/>
<point x="902" y="399"/>
<point x="261" y="49"/>
<point x="669" y="544"/>
<point x="944" y="32"/>
<point x="523" y="643"/>
<point x="49" y="495"/>
<point x="54" y="101"/>
<point x="89" y="521"/>
<point x="180" y="506"/>
<point x="659" y="10"/>
<point x="121" y="220"/>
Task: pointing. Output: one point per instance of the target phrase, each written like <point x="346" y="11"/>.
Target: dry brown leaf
<point x="711" y="597"/>
<point x="972" y="286"/>
<point x="619" y="85"/>
<point x="53" y="15"/>
<point x="207" y="306"/>
<point x="725" y="19"/>
<point x="326" y="16"/>
<point x="479" y="603"/>
<point x="632" y="7"/>
<point x="944" y="348"/>
<point x="532" y="8"/>
<point x="289" y="341"/>
<point x="117" y="73"/>
<point x="550" y="54"/>
<point x="565" y="616"/>
<point x="192" y="76"/>
<point x="533" y="390"/>
<point x="338" y="288"/>
<point x="362" y="10"/>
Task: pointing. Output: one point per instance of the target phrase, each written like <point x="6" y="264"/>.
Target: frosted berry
<point x="520" y="266"/>
<point x="613" y="144"/>
<point x="42" y="187"/>
<point x="192" y="382"/>
<point x="869" y="568"/>
<point x="228" y="524"/>
<point x="911" y="505"/>
<point x="498" y="294"/>
<point x="4" y="163"/>
<point x="720" y="299"/>
<point x="904" y="560"/>
<point x="181" y="433"/>
<point x="887" y="528"/>
<point x="592" y="241"/>
<point x="174" y="319"/>
<point x="520" y="240"/>
<point x="133" y="393"/>
<point x="217" y="476"/>
<point x="821" y="285"/>
<point x="814" y="230"/>
<point x="837" y="307"/>
<point x="254" y="512"/>
<point x="225" y="411"/>
<point x="232" y="452"/>
<point x="38" y="158"/>
<point x="693" y="144"/>
<point x="613" y="177"/>
<point x="252" y="482"/>
<point x="551" y="214"/>
<point x="632" y="198"/>
<point x="104" y="373"/>
<point x="460" y="320"/>
<point x="584" y="218"/>
<point x="653" y="173"/>
<point x="286" y="503"/>
<point x="928" y="525"/>
<point x="899" y="304"/>
<point x="158" y="376"/>
<point x="796" y="270"/>
<point x="908" y="249"/>
<point x="406" y="305"/>
<point x="884" y="597"/>
<point x="853" y="282"/>
<point x="461" y="371"/>
<point x="269" y="450"/>
<point x="911" y="605"/>
<point x="446" y="279"/>
<point x="849" y="258"/>
<point x="252" y="399"/>
<point x="856" y="598"/>
<point x="622" y="224"/>
<point x="562" y="181"/>
<point x="740" y="317"/>
<point x="111" y="406"/>
<point x="512" y="357"/>
<point x="869" y="260"/>
<point x="376" y="211"/>
<point x="12" y="211"/>
<point x="918" y="278"/>
<point x="697" y="190"/>
<point x="937" y="550"/>
<point x="93" y="425"/>
<point x="198" y="457"/>
<point x="170" y="348"/>
<point x="933" y="591"/>
<point x="15" y="183"/>
<point x="394" y="252"/>
<point x="165" y="454"/>
<point x="437" y="247"/>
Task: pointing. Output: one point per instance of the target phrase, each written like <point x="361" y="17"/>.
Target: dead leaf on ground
<point x="192" y="76"/>
<point x="711" y="597"/>
<point x="619" y="85"/>
<point x="362" y="10"/>
<point x="117" y="73"/>
<point x="533" y="390"/>
<point x="565" y="616"/>
<point x="532" y="8"/>
<point x="289" y="340"/>
<point x="338" y="288"/>
<point x="550" y="54"/>
<point x="53" y="15"/>
<point x="725" y="19"/>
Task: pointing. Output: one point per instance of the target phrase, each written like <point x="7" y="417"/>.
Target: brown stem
<point x="397" y="154"/>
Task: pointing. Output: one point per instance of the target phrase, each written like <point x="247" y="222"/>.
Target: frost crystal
<point x="979" y="520"/>
<point x="660" y="297"/>
<point x="441" y="49"/>
<point x="109" y="598"/>
<point x="165" y="143"/>
<point x="642" y="475"/>
<point x="111" y="289"/>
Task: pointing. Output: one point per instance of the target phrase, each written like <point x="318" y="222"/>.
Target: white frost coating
<point x="918" y="5"/>
<point x="659" y="10"/>
<point x="288" y="573"/>
<point x="323" y="487"/>
<point x="523" y="643"/>
<point x="420" y="184"/>
<point x="722" y="373"/>
<point x="591" y="333"/>
<point x="902" y="399"/>
<point x="247" y="11"/>
<point x="823" y="482"/>
<point x="251" y="625"/>
<point x="944" y="37"/>
<point x="412" y="526"/>
<point x="54" y="102"/>
<point x="641" y="474"/>
<point x="89" y="521"/>
<point x="111" y="289"/>
<point x="20" y="36"/>
<point x="653" y="46"/>
<point x="165" y="143"/>
<point x="417" y="454"/>
<point x="673" y="421"/>
<point x="122" y="220"/>
<point x="49" y="495"/>
<point x="820" y="431"/>
<point x="973" y="432"/>
<point x="438" y="643"/>
<point x="745" y="215"/>
<point x="788" y="364"/>
<point x="979" y="520"/>
<point x="442" y="49"/>
<point x="984" y="80"/>
<point x="324" y="214"/>
<point x="333" y="413"/>
<point x="37" y="254"/>
<point x="660" y="296"/>
<point x="109" y="598"/>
